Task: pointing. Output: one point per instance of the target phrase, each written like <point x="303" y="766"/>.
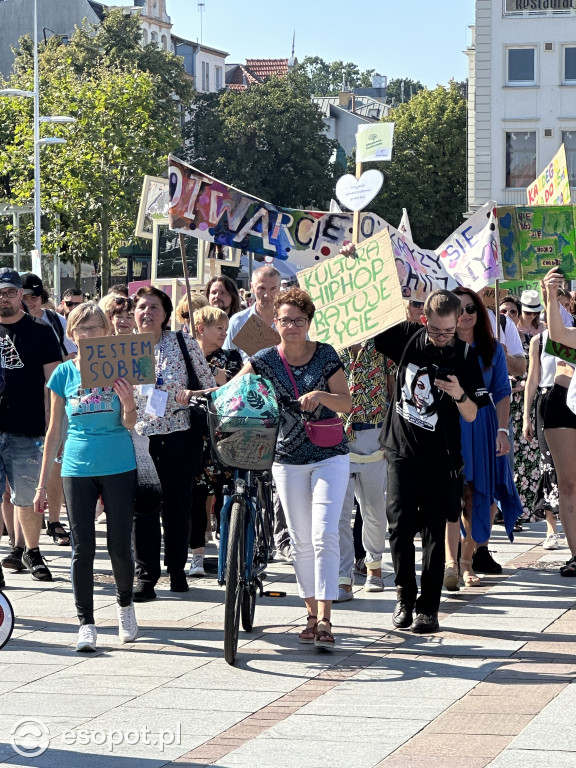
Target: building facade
<point x="521" y="95"/>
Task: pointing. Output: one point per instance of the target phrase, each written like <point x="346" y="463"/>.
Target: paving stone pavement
<point x="493" y="688"/>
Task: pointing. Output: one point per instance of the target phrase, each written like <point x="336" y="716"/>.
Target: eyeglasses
<point x="437" y="334"/>
<point x="186" y="315"/>
<point x="120" y="299"/>
<point x="9" y="293"/>
<point x="285" y="322"/>
<point x="72" y="303"/>
<point x="528" y="312"/>
<point x="89" y="329"/>
<point x="509" y="312"/>
<point x="470" y="309"/>
<point x="416" y="304"/>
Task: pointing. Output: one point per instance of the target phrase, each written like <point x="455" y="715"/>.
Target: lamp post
<point x="38" y="142"/>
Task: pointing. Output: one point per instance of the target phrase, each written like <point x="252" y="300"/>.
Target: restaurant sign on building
<point x="539" y="7"/>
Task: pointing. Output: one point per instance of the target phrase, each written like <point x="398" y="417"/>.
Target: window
<point x="521" y="66"/>
<point x="205" y="76"/>
<point x="218" y="77"/>
<point x="569" y="139"/>
<point x="164" y="42"/>
<point x="570" y="65"/>
<point x="520" y="158"/>
<point x="187" y="53"/>
<point x="153" y="37"/>
<point x="144" y="37"/>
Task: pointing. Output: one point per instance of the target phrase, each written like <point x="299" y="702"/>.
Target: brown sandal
<point x="324" y="639"/>
<point x="309" y="634"/>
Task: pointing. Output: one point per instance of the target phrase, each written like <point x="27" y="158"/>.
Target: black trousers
<point x="416" y="501"/>
<point x="177" y="458"/>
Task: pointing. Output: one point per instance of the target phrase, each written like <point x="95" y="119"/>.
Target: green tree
<point x="269" y="140"/>
<point x="427" y="173"/>
<point x="328" y="79"/>
<point x="401" y="89"/>
<point x="127" y="123"/>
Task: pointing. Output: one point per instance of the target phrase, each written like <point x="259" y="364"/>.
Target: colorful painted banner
<point x="355" y="297"/>
<point x="211" y="210"/>
<point x="534" y="239"/>
<point x="552" y="187"/>
<point x="374" y="142"/>
<point x="471" y="253"/>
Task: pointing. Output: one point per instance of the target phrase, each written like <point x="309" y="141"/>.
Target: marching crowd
<point x="442" y="426"/>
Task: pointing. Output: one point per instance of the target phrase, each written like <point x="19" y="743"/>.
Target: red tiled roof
<point x="262" y="68"/>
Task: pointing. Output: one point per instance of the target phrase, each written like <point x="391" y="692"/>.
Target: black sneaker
<point x="402" y="616"/>
<point x="424" y="623"/>
<point x="483" y="562"/>
<point x="179" y="582"/>
<point x="36" y="565"/>
<point x="13" y="561"/>
<point x="2" y="580"/>
<point x="143" y="592"/>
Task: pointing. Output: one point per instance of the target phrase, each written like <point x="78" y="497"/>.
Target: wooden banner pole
<point x="356" y="214"/>
<point x="497" y="308"/>
<point x="191" y="325"/>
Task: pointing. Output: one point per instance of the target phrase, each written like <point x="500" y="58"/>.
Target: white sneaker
<point x="284" y="553"/>
<point x="87" y="635"/>
<point x="197" y="566"/>
<point x="550" y="542"/>
<point x="127" y="625"/>
<point x="344" y="595"/>
<point x="374" y="584"/>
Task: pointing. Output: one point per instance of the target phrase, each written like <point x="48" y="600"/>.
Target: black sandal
<point x="324" y="639"/>
<point x="569" y="570"/>
<point x="59" y="534"/>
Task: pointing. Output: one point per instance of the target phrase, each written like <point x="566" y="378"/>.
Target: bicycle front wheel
<point x="235" y="558"/>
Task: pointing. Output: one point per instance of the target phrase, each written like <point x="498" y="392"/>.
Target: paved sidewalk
<point x="493" y="688"/>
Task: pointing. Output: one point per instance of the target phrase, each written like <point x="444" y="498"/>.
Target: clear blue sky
<point x="419" y="39"/>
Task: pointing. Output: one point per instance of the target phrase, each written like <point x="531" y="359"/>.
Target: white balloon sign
<point x="355" y="193"/>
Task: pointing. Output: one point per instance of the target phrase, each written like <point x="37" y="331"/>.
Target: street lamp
<point x="38" y="142"/>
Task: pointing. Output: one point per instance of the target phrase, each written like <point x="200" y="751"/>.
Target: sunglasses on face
<point x="72" y="303"/>
<point x="471" y="309"/>
<point x="416" y="304"/>
<point x="527" y="312"/>
<point x="508" y="311"/>
<point x="120" y="299"/>
<point x="186" y="315"/>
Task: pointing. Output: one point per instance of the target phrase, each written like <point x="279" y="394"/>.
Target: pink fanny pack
<point x="325" y="433"/>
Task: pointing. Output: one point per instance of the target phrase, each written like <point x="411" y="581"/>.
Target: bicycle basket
<point x="243" y="442"/>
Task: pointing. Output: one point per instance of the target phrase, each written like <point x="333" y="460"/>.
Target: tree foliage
<point x="127" y="122"/>
<point x="269" y="140"/>
<point x="395" y="94"/>
<point x="329" y="78"/>
<point x="427" y="173"/>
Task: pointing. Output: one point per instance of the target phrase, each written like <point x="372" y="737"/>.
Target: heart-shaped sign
<point x="357" y="193"/>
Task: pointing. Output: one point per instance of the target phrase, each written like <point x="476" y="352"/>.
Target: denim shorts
<point x="20" y="462"/>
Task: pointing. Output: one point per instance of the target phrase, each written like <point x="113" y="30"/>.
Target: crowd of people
<point x="442" y="426"/>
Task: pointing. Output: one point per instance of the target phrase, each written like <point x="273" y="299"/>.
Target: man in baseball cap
<point x="9" y="278"/>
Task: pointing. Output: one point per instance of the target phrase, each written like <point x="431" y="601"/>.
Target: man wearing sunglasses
<point x="439" y="380"/>
<point x="70" y="299"/>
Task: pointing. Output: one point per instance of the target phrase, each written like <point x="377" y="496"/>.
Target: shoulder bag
<point x="325" y="433"/>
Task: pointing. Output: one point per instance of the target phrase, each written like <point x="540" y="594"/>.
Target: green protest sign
<point x="517" y="287"/>
<point x="374" y="142"/>
<point x="568" y="354"/>
<point x="355" y="297"/>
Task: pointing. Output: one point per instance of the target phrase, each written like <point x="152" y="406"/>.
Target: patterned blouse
<point x="366" y="375"/>
<point x="171" y="377"/>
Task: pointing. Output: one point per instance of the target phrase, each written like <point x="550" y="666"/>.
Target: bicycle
<point x="246" y="445"/>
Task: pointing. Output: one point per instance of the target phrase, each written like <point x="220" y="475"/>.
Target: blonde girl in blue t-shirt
<point x="98" y="460"/>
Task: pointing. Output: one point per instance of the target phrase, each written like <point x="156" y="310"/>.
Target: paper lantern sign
<point x="357" y="193"/>
<point x="103" y="359"/>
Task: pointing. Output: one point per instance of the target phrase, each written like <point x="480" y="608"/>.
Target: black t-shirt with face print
<point x="423" y="421"/>
<point x="26" y="346"/>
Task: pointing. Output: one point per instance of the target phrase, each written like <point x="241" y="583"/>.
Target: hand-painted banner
<point x="568" y="354"/>
<point x="517" y="287"/>
<point x="534" y="239"/>
<point x="552" y="187"/>
<point x="471" y="254"/>
<point x="355" y="297"/>
<point x="374" y="142"/>
<point x="211" y="210"/>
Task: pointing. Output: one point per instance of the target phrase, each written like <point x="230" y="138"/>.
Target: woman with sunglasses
<point x="530" y="322"/>
<point x="526" y="458"/>
<point x="121" y="316"/>
<point x="485" y="447"/>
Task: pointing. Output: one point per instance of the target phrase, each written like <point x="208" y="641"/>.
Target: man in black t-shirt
<point x="439" y="380"/>
<point x="30" y="353"/>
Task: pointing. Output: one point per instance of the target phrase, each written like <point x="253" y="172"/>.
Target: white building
<point x="522" y="95"/>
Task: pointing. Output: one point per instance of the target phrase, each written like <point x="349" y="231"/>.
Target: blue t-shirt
<point x="293" y="446"/>
<point x="97" y="443"/>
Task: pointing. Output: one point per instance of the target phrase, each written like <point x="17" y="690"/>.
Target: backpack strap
<point x="58" y="329"/>
<point x="193" y="382"/>
<point x="502" y="322"/>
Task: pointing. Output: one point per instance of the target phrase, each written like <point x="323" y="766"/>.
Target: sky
<point x="417" y="39"/>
